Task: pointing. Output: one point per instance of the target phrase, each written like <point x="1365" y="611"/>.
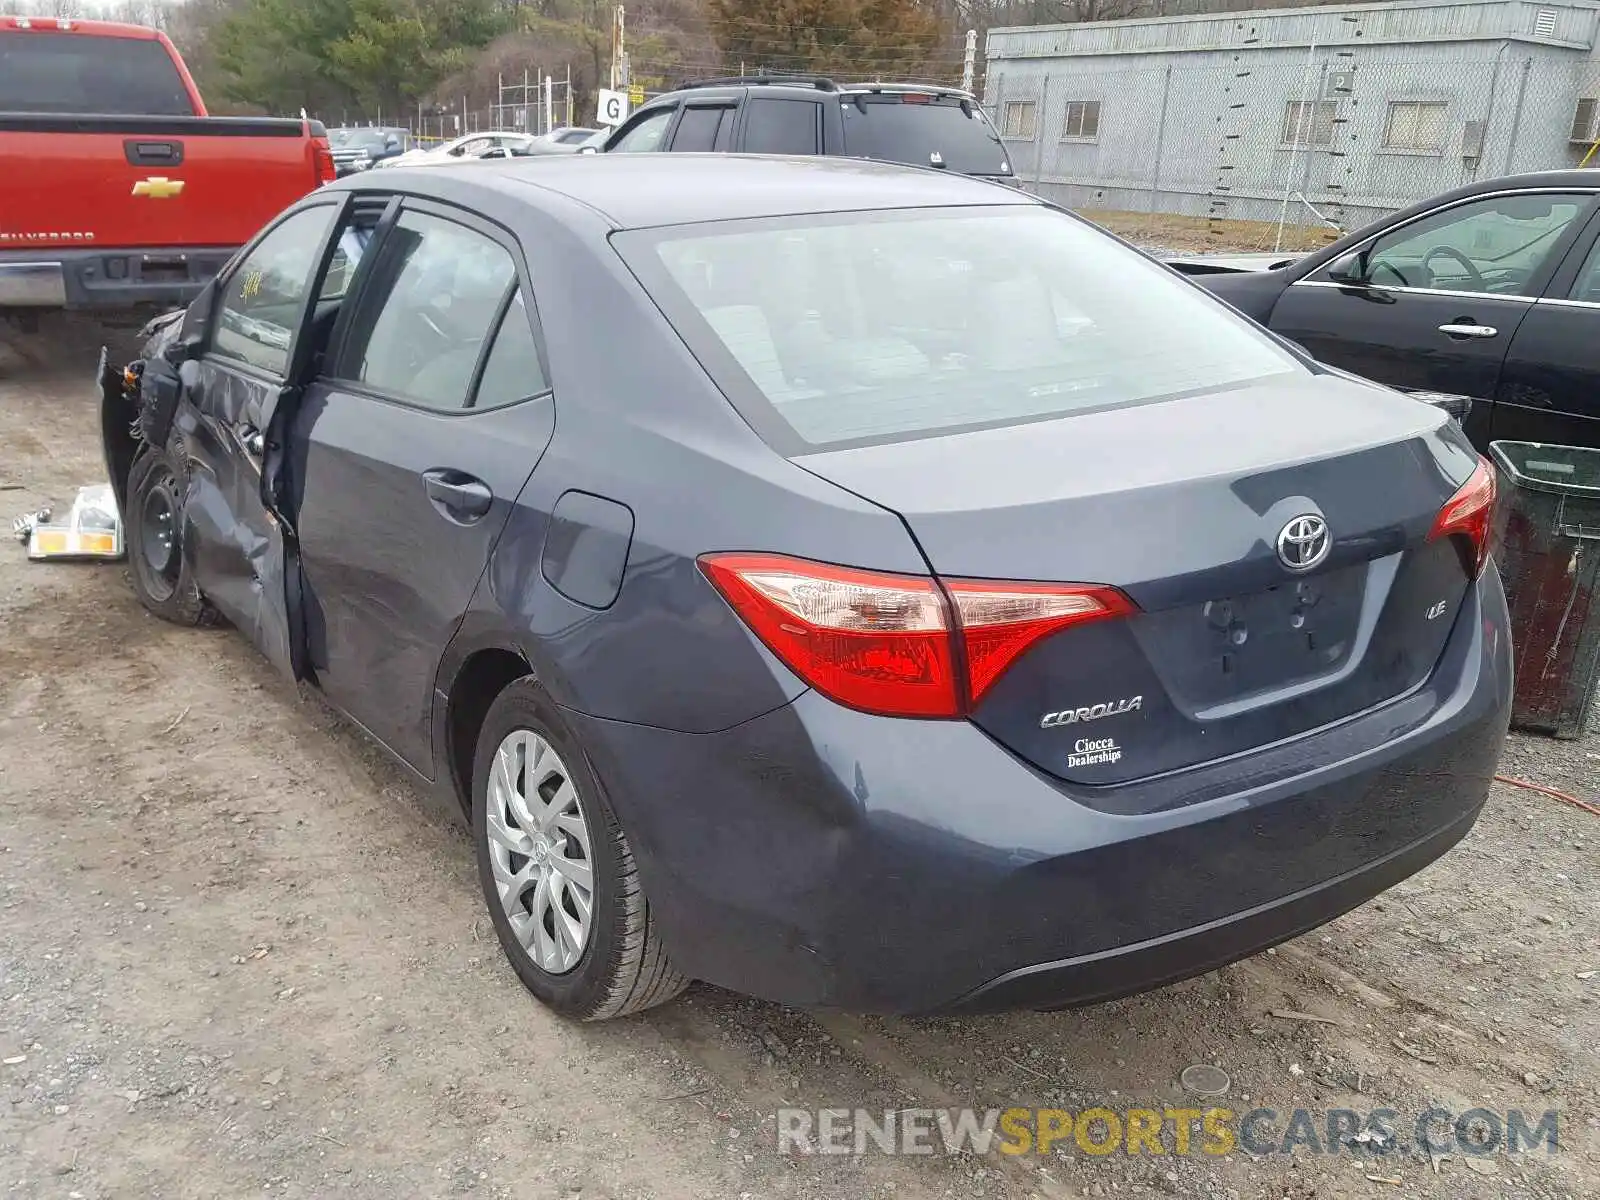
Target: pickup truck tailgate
<point x="134" y="182"/>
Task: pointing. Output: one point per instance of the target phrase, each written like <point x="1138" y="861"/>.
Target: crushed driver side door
<point x="258" y="338"/>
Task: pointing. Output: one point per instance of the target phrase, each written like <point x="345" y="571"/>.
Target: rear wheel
<point x="153" y="530"/>
<point x="557" y="872"/>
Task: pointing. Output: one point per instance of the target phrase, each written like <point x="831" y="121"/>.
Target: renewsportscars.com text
<point x="1164" y="1131"/>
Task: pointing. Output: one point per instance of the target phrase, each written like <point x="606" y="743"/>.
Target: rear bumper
<point x="79" y="278"/>
<point x="817" y="856"/>
<point x="1093" y="978"/>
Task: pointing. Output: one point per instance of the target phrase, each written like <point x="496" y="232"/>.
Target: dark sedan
<point x="851" y="584"/>
<point x="1490" y="293"/>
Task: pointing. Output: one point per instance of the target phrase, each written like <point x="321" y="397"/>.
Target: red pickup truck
<point x="116" y="189"/>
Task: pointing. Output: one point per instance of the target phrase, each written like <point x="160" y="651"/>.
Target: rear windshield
<point x="865" y="327"/>
<point x="924" y="131"/>
<point x="341" y="138"/>
<point x="87" y="73"/>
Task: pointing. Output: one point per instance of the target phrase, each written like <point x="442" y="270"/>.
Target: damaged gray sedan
<point x="854" y="585"/>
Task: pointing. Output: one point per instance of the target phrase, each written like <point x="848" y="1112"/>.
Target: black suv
<point x="922" y="124"/>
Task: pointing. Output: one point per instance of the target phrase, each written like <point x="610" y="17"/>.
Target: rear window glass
<point x="865" y="327"/>
<point x="365" y="138"/>
<point x="83" y="73"/>
<point x="886" y="127"/>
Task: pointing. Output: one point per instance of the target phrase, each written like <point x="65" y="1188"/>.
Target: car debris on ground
<point x="92" y="529"/>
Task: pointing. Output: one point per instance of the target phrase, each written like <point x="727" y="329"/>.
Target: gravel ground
<point x="238" y="957"/>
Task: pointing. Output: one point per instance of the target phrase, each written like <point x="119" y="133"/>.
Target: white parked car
<point x="486" y="144"/>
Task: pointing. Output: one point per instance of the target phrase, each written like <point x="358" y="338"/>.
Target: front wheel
<point x="153" y="530"/>
<point x="557" y="872"/>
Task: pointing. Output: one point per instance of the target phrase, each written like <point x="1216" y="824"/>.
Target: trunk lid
<point x="1181" y="504"/>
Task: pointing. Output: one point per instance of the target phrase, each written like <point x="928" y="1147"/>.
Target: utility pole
<point x="568" y="94"/>
<point x="549" y="104"/>
<point x="619" y="50"/>
<point x="969" y="63"/>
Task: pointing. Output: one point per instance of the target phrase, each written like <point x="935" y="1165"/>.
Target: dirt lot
<point x="1168" y="233"/>
<point x="238" y="958"/>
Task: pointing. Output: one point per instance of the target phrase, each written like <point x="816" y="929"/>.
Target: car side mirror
<point x="191" y="340"/>
<point x="1349" y="268"/>
<point x="588" y="149"/>
<point x="391" y="143"/>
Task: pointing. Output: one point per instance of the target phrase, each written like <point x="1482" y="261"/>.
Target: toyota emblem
<point x="1304" y="542"/>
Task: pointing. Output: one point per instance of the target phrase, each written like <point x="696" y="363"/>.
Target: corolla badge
<point x="1071" y="716"/>
<point x="1304" y="542"/>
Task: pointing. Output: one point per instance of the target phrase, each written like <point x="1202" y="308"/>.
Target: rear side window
<point x="698" y="128"/>
<point x="854" y="328"/>
<point x="781" y="126"/>
<point x="436" y="291"/>
<point x="923" y="130"/>
<point x="87" y="73"/>
<point x="264" y="296"/>
<point x="512" y="371"/>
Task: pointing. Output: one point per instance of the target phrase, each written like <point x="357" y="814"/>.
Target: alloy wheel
<point x="539" y="850"/>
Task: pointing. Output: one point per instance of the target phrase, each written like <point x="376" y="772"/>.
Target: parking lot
<point x="239" y="957"/>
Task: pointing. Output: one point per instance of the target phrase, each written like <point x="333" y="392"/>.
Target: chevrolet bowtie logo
<point x="158" y="187"/>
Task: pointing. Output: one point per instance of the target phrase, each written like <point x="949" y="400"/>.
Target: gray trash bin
<point x="1547" y="546"/>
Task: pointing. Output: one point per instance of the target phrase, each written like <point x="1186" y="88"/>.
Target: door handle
<point x="140" y="153"/>
<point x="1461" y="327"/>
<point x="458" y="492"/>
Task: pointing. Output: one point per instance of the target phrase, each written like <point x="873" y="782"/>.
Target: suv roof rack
<point x="820" y="82"/>
<point x="908" y="85"/>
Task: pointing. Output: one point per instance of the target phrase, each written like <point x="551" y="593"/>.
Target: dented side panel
<point x="240" y="552"/>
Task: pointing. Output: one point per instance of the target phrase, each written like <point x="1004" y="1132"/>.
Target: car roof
<point x="809" y="85"/>
<point x="116" y="29"/>
<point x="642" y="190"/>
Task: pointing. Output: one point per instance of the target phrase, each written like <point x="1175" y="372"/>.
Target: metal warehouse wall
<point x="1205" y="128"/>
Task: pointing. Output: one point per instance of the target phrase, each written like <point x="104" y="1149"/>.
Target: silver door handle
<point x="1471" y="331"/>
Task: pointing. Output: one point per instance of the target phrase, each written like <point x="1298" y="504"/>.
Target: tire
<point x="152" y="527"/>
<point x="621" y="967"/>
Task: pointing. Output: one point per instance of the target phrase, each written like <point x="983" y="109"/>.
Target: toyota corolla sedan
<point x="854" y="585"/>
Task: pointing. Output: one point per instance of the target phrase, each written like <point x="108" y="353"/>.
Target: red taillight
<point x="897" y="645"/>
<point x="326" y="171"/>
<point x="873" y="641"/>
<point x="999" y="621"/>
<point x="1469" y="513"/>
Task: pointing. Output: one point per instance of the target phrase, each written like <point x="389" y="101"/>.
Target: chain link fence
<point x="1278" y="150"/>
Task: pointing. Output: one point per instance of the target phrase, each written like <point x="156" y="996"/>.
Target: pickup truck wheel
<point x="153" y="527"/>
<point x="556" y="868"/>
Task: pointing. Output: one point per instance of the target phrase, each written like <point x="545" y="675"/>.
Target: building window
<point x="1309" y="123"/>
<point x="1018" y="122"/>
<point x="1415" y="126"/>
<point x="1583" y="121"/>
<point x="1083" y="120"/>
